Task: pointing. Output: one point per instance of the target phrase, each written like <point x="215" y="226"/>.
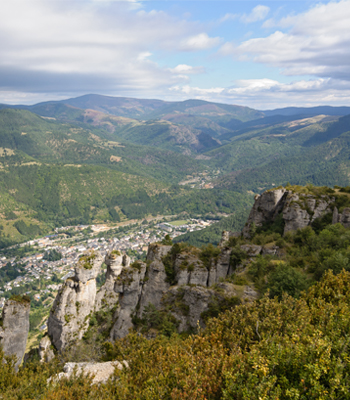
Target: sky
<point x="261" y="54"/>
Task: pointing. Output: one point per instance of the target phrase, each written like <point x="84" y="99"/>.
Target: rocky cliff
<point x="15" y="327"/>
<point x="175" y="280"/>
<point x="294" y="207"/>
<point x="181" y="284"/>
<point x="75" y="301"/>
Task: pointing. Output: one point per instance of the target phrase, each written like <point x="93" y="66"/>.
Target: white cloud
<point x="269" y="94"/>
<point x="199" y="42"/>
<point x="187" y="69"/>
<point x="59" y="46"/>
<point x="317" y="42"/>
<point x="229" y="17"/>
<point x="258" y="13"/>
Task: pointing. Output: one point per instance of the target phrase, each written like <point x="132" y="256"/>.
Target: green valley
<point x="98" y="159"/>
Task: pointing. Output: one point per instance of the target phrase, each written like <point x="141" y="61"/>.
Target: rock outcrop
<point x="129" y="287"/>
<point x="189" y="270"/>
<point x="70" y="313"/>
<point x="343" y="218"/>
<point x="221" y="268"/>
<point x="101" y="372"/>
<point x="107" y="297"/>
<point x="293" y="208"/>
<point x="46" y="353"/>
<point x="15" y="327"/>
<point x="181" y="280"/>
<point x="266" y="207"/>
<point x="155" y="284"/>
<point x="177" y="279"/>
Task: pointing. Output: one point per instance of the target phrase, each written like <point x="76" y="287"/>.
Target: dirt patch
<point x="6" y="151"/>
<point x="115" y="159"/>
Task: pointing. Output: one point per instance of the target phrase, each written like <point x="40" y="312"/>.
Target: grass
<point x="179" y="222"/>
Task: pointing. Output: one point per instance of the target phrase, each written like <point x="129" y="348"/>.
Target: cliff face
<point x="69" y="316"/>
<point x="155" y="284"/>
<point x="178" y="282"/>
<point x="182" y="281"/>
<point x="15" y="328"/>
<point x="296" y="209"/>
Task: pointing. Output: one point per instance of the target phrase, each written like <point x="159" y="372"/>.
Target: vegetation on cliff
<point x="272" y="349"/>
<point x="292" y="343"/>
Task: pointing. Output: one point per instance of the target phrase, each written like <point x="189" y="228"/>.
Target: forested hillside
<point x="103" y="159"/>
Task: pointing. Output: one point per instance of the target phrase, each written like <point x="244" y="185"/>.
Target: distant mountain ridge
<point x="327" y="110"/>
<point x="167" y="149"/>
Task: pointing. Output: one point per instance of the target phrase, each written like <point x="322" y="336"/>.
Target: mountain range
<point x="97" y="158"/>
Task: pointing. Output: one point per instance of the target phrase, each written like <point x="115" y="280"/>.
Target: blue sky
<point x="259" y="54"/>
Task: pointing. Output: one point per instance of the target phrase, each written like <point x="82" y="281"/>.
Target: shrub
<point x="208" y="253"/>
<point x="167" y="241"/>
<point x="20" y="299"/>
<point x="285" y="279"/>
<point x="162" y="320"/>
<point x="237" y="256"/>
<point x="86" y="260"/>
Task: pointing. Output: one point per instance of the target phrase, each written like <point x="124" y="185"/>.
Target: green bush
<point x="285" y="279"/>
<point x="167" y="241"/>
<point x="161" y="320"/>
<point x="208" y="253"/>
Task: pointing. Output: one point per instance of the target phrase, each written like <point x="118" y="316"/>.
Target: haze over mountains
<point x="98" y="158"/>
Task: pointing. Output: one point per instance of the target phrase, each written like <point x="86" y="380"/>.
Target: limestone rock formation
<point x="296" y="209"/>
<point x="189" y="270"/>
<point x="183" y="281"/>
<point x="189" y="303"/>
<point x="69" y="316"/>
<point x="15" y="327"/>
<point x="265" y="208"/>
<point x="220" y="269"/>
<point x="46" y="354"/>
<point x="128" y="286"/>
<point x="252" y="250"/>
<point x="343" y="218"/>
<point x="107" y="297"/>
<point x="226" y="236"/>
<point x="155" y="284"/>
<point x="101" y="372"/>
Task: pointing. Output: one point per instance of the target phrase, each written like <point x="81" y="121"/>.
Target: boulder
<point x="270" y="250"/>
<point x="250" y="294"/>
<point x="101" y="372"/>
<point x="252" y="250"/>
